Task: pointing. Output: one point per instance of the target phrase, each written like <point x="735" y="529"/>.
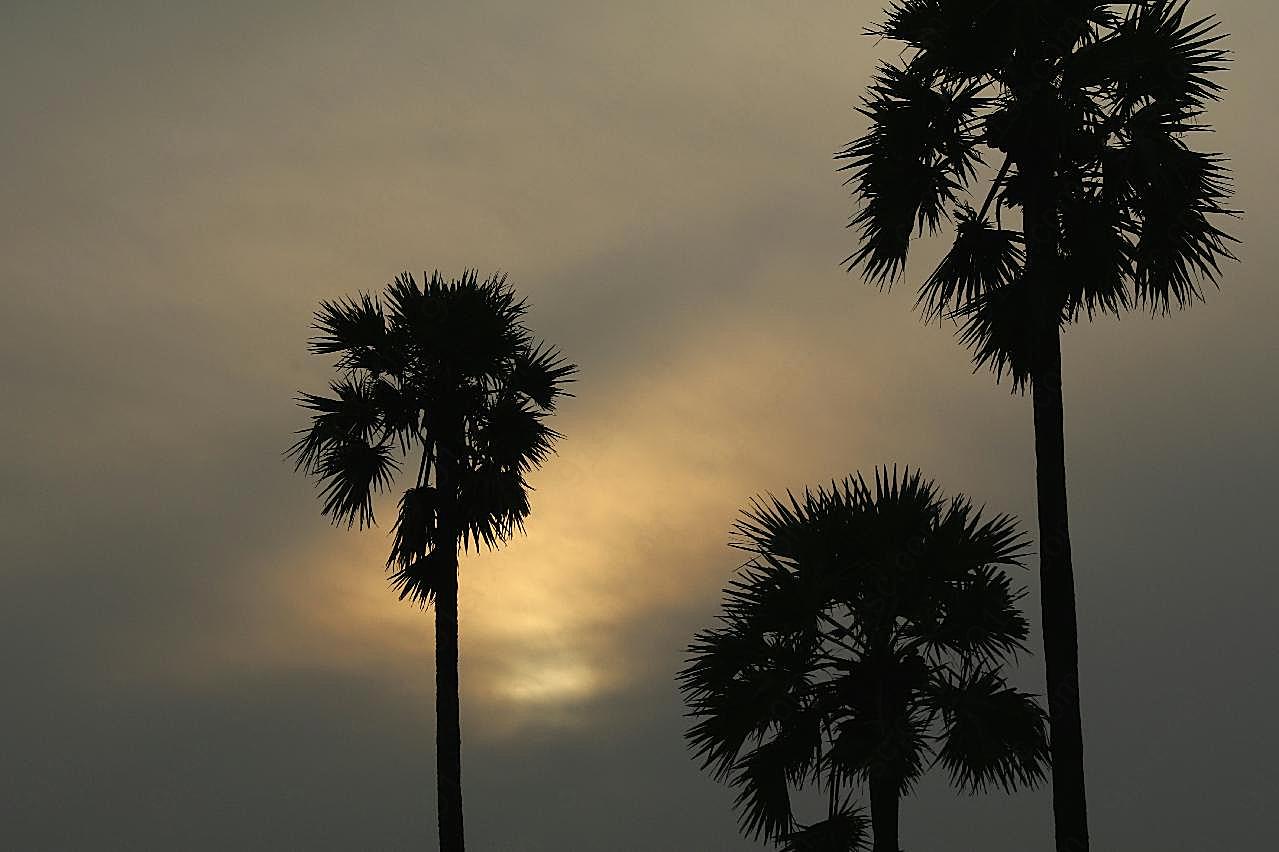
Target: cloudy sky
<point x="192" y="659"/>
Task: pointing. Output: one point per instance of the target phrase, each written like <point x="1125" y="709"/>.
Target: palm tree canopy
<point x="865" y="636"/>
<point x="1110" y="93"/>
<point x="446" y="369"/>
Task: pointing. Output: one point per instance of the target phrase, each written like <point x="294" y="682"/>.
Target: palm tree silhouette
<point x="1089" y="106"/>
<point x="863" y="642"/>
<point x="446" y="370"/>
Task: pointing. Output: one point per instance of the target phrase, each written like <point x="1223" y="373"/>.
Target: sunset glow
<point x="195" y="659"/>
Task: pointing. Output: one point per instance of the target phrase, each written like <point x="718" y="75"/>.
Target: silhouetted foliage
<point x="1110" y="93"/>
<point x="863" y="642"/>
<point x="1080" y="116"/>
<point x="448" y="371"/>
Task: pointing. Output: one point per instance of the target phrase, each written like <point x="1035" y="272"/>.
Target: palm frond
<point x="738" y="684"/>
<point x="351" y="471"/>
<point x="512" y="434"/>
<point x="846" y="831"/>
<point x="895" y="745"/>
<point x="763" y="799"/>
<point x="964" y="540"/>
<point x="462" y="326"/>
<point x="722" y="728"/>
<point x="492" y="504"/>
<point x="982" y="258"/>
<point x="400" y="409"/>
<point x="975" y="617"/>
<point x="787" y="530"/>
<point x="1098" y="255"/>
<point x="481" y="327"/>
<point x="1177" y="191"/>
<point x="416" y="526"/>
<point x="957" y="40"/>
<point x="994" y="735"/>
<point x="419" y="580"/>
<point x="799" y="739"/>
<point x="907" y="494"/>
<point x="775" y="596"/>
<point x="355" y="328"/>
<point x="352" y="412"/>
<point x="918" y="153"/>
<point x="959" y="600"/>
<point x="1154" y="54"/>
<point x="998" y="329"/>
<point x="541" y="374"/>
<point x="407" y="302"/>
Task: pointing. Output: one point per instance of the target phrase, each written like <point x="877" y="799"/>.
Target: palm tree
<point x="449" y="372"/>
<point x="1100" y="205"/>
<point x="863" y="642"/>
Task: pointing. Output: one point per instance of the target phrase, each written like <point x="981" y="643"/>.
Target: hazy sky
<point x="192" y="659"/>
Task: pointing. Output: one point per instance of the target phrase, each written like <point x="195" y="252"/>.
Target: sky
<point x="193" y="659"/>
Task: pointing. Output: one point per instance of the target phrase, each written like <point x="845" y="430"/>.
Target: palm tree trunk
<point x="1056" y="574"/>
<point x="448" y="724"/>
<point x="884" y="809"/>
<point x="1057" y="603"/>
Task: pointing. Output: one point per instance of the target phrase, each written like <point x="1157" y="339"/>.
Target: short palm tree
<point x="1099" y="205"/>
<point x="863" y="642"/>
<point x="446" y="376"/>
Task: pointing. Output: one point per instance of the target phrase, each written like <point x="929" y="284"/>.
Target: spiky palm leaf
<point x="920" y="152"/>
<point x="845" y="831"/>
<point x="351" y="471"/>
<point x="983" y="258"/>
<point x="993" y="736"/>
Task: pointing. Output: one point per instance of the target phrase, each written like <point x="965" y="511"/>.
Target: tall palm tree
<point x="1099" y="205"/>
<point x="446" y="375"/>
<point x="863" y="642"/>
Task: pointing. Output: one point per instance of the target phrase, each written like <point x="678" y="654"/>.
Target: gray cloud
<point x="194" y="661"/>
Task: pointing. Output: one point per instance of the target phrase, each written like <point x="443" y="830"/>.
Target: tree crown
<point x="1108" y="96"/>
<point x="446" y="369"/>
<point x="866" y="636"/>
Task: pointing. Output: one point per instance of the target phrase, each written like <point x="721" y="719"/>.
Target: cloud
<point x="194" y="660"/>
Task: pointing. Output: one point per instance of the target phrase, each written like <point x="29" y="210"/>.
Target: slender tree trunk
<point x="448" y="724"/>
<point x="884" y="808"/>
<point x="1056" y="574"/>
<point x="1057" y="602"/>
